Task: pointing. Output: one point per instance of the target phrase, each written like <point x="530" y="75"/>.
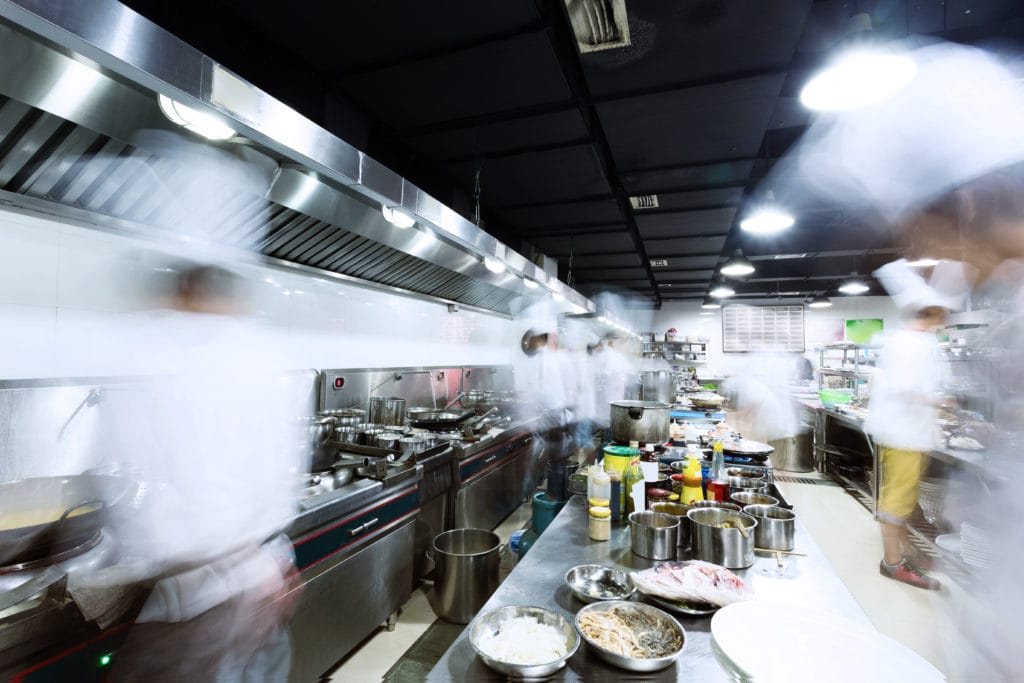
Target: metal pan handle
<point x="90" y="501"/>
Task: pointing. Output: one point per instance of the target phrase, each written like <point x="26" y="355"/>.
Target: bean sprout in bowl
<point x="632" y="635"/>
<point x="523" y="642"/>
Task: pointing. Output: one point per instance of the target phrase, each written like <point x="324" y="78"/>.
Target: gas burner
<point x="56" y="558"/>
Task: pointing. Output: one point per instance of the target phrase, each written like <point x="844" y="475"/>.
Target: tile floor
<point x="840" y="526"/>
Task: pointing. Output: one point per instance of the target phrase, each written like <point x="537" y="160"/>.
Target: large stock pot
<point x="642" y="421"/>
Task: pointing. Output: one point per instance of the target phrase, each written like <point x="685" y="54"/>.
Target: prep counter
<point x="539" y="580"/>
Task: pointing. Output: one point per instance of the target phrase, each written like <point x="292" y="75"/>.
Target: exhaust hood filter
<point x="598" y="24"/>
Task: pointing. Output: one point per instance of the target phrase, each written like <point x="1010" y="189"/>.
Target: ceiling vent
<point x="598" y="24"/>
<point x="644" y="201"/>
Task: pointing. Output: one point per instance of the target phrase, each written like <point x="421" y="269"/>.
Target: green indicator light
<point x="105" y="660"/>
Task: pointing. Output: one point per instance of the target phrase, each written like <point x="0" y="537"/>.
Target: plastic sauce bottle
<point x="599" y="484"/>
<point x="692" y="490"/>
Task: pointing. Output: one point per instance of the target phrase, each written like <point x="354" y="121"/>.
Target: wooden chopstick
<point x="781" y="552"/>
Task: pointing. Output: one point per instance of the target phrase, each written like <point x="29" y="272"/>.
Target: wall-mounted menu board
<point x="762" y="328"/>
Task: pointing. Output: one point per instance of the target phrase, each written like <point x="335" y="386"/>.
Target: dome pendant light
<point x="820" y="302"/>
<point x="738" y="266"/>
<point x="860" y="76"/>
<point x="710" y="304"/>
<point x="853" y="287"/>
<point x="768" y="218"/>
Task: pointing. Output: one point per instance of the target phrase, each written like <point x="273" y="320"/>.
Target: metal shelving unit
<point x="859" y="356"/>
<point x="693" y="352"/>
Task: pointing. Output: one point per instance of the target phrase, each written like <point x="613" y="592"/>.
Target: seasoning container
<point x="600" y="523"/>
<point x="692" y="482"/>
<point x="657" y="495"/>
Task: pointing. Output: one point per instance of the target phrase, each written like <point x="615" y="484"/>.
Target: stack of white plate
<point x="931" y="497"/>
<point x="769" y="642"/>
<point x="975" y="545"/>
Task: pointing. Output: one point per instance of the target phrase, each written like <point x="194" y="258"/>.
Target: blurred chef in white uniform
<point x="211" y="441"/>
<point x="942" y="161"/>
<point x="903" y="410"/>
<point x="542" y="376"/>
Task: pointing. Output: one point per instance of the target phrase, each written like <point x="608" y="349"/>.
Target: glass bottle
<point x="634" y="488"/>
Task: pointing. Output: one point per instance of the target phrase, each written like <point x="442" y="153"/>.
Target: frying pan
<point x="441" y="420"/>
<point x="88" y="497"/>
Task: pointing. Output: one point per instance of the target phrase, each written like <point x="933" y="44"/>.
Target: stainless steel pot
<point x="725" y="546"/>
<point x="749" y="484"/>
<point x="654" y="535"/>
<point x="776" y="527"/>
<point x="658" y="385"/>
<point x="388" y="440"/>
<point x="642" y="421"/>
<point x="388" y="411"/>
<point x="677" y="510"/>
<point x="746" y="498"/>
<point x="465" y="573"/>
<point x="347" y="434"/>
<point x="346" y="417"/>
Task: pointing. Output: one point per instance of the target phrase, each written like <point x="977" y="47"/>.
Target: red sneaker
<point x="908" y="574"/>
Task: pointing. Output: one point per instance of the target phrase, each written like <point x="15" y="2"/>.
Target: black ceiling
<point x="694" y="110"/>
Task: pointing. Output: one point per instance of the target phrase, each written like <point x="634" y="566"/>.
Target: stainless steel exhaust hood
<point x="81" y="135"/>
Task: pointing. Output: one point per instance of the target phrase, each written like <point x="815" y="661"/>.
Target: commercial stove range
<point x="44" y="633"/>
<point x="358" y="549"/>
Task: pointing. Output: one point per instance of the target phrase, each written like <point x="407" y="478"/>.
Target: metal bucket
<point x="465" y="573"/>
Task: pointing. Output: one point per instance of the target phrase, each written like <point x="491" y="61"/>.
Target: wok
<point x="43" y="516"/>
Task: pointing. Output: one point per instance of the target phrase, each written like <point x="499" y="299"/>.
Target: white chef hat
<point x="961" y="117"/>
<point x="947" y="288"/>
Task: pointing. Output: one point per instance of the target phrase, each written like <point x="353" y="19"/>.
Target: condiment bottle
<point x="634" y="488"/>
<point x="718" y="487"/>
<point x="600" y="526"/>
<point x="692" y="490"/>
<point x="599" y="484"/>
<point x="649" y="463"/>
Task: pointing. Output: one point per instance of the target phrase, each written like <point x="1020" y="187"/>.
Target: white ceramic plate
<point x="949" y="542"/>
<point x="769" y="642"/>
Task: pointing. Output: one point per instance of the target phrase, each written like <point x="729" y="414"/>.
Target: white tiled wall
<point x="67" y="293"/>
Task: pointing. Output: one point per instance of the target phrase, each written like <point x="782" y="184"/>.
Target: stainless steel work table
<point x="539" y="580"/>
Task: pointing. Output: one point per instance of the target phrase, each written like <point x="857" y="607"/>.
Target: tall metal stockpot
<point x="642" y="421"/>
<point x="387" y="410"/>
<point x="658" y="385"/>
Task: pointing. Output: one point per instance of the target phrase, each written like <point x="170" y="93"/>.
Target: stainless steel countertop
<point x="539" y="580"/>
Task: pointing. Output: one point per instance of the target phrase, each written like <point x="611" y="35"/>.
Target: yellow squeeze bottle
<point x="692" y="489"/>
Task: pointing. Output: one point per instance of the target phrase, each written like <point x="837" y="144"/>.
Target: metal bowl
<point x="491" y="623"/>
<point x="635" y="663"/>
<point x="594" y="582"/>
<point x="745" y="498"/>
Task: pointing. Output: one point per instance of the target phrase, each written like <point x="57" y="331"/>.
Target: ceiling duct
<point x="82" y="136"/>
<point x="598" y="24"/>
